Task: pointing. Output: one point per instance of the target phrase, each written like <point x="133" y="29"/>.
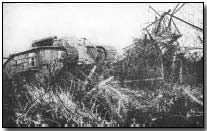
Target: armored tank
<point x="51" y="54"/>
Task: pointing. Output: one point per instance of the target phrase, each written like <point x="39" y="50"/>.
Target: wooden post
<point x="181" y="72"/>
<point x="162" y="68"/>
<point x="89" y="77"/>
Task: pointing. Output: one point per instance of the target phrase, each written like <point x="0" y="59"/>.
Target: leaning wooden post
<point x="181" y="72"/>
<point x="89" y="76"/>
<point x="162" y="68"/>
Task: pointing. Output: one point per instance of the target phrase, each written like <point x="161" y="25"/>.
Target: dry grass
<point x="71" y="101"/>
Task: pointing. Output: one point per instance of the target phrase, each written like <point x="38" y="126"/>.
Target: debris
<point x="151" y="85"/>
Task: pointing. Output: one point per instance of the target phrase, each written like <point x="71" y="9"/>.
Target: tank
<point x="52" y="54"/>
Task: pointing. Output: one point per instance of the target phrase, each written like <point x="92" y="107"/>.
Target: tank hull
<point x="50" y="55"/>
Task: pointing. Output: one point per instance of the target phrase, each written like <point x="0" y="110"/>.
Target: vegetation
<point x="94" y="95"/>
<point x="154" y="85"/>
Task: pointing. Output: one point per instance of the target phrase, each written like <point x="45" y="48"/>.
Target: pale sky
<point x="109" y="24"/>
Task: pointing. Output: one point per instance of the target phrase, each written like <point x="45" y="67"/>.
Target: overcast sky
<point x="109" y="24"/>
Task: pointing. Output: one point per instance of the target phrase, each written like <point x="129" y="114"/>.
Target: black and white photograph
<point x="111" y="65"/>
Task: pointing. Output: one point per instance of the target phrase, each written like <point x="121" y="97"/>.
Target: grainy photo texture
<point x="103" y="65"/>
